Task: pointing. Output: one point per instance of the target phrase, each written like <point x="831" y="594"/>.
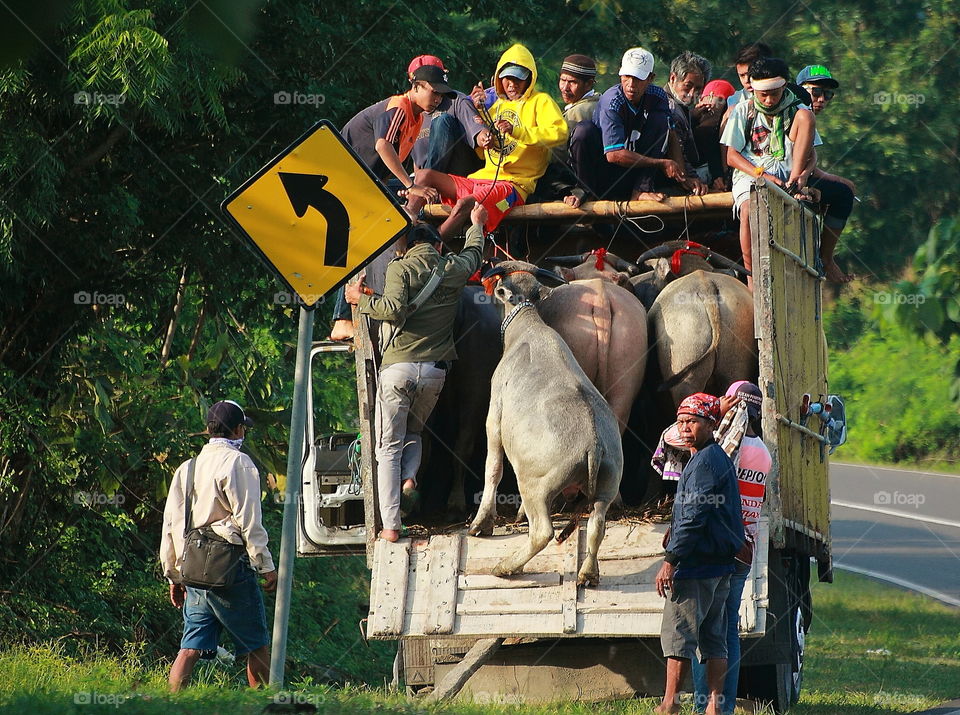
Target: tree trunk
<point x="195" y="339"/>
<point x="175" y="318"/>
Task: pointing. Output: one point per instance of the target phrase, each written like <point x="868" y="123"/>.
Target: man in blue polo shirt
<point x="622" y="153"/>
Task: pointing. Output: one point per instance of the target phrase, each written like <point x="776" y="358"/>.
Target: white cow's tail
<point x="594" y="460"/>
<point x="588" y="491"/>
<point x="603" y="320"/>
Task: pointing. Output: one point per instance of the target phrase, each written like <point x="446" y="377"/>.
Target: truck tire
<point x="772" y="683"/>
<point x="780" y="683"/>
<point x="777" y="683"/>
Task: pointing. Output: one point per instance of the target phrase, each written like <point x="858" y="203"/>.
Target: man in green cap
<point x="836" y="192"/>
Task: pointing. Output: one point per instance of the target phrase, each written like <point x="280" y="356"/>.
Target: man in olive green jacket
<point x="416" y="361"/>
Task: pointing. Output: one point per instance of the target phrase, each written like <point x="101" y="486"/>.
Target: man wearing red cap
<point x="707" y="117"/>
<point x="706" y="532"/>
<point x="384" y="134"/>
<point x="451" y="133"/>
<point x="438" y="129"/>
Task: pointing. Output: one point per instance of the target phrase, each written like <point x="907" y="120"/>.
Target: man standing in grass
<point x="225" y="496"/>
<point x="706" y="532"/>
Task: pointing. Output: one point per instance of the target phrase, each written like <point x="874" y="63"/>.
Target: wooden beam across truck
<point x="596" y="211"/>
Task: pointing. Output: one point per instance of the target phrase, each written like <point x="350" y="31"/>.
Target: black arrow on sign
<point x="306" y="190"/>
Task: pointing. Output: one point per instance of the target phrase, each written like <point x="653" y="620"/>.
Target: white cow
<point x="550" y="421"/>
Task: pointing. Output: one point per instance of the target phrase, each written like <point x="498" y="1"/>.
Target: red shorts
<point x="497" y="201"/>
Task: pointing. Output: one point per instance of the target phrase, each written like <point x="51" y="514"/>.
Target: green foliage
<point x="128" y="306"/>
<point x="932" y="305"/>
<point x="895" y="414"/>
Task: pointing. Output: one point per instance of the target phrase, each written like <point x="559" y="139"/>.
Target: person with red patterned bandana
<point x="706" y="533"/>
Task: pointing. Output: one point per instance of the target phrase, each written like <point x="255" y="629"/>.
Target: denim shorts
<point x="695" y="620"/>
<point x="238" y="609"/>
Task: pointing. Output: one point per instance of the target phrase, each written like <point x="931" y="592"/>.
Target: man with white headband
<point x="769" y="136"/>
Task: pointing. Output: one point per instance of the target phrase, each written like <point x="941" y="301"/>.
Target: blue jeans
<point x="341" y="308"/>
<point x="237" y="609"/>
<point x="450" y="149"/>
<point x="700" y="690"/>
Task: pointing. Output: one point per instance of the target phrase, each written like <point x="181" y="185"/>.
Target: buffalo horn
<point x="621" y="264"/>
<point x="549" y="278"/>
<point x="662" y="251"/>
<point x="724" y="262"/>
<point x="495" y="271"/>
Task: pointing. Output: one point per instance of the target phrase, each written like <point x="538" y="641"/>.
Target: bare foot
<point x="342" y="330"/>
<point x="665" y="708"/>
<point x="391" y="535"/>
<point x="834" y="274"/>
<point x="649" y="196"/>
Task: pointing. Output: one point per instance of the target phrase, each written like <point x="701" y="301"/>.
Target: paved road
<point x="898" y="525"/>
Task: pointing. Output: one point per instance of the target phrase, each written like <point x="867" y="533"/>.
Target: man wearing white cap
<point x="622" y="153"/>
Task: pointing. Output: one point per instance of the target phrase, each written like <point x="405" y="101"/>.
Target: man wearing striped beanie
<point x="577" y="76"/>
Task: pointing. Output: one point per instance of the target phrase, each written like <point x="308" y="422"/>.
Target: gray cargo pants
<point x="406" y="396"/>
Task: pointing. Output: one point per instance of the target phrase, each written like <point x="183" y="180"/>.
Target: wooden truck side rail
<point x="788" y="315"/>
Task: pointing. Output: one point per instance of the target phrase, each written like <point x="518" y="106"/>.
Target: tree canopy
<point x="128" y="306"/>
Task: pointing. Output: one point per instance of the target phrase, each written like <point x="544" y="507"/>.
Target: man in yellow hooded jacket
<point x="528" y="123"/>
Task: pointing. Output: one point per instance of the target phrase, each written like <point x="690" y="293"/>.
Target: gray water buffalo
<point x="454" y="471"/>
<point x="702" y="326"/>
<point x="549" y="420"/>
<point x="675" y="259"/>
<point x="594" y="264"/>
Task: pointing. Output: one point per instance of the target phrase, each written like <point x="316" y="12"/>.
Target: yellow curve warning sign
<point x="316" y="214"/>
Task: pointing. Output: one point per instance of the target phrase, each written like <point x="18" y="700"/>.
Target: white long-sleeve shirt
<point x="225" y="497"/>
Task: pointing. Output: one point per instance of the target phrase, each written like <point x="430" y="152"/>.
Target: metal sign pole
<point x="288" y="538"/>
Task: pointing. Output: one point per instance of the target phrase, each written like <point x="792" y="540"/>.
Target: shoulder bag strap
<point x="430" y="286"/>
<point x="436" y="275"/>
<point x="187" y="489"/>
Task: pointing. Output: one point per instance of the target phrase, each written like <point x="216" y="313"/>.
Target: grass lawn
<point x="873" y="649"/>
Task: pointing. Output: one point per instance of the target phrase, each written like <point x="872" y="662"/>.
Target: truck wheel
<point x="778" y="683"/>
<point x="799" y="643"/>
<point x="771" y="683"/>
